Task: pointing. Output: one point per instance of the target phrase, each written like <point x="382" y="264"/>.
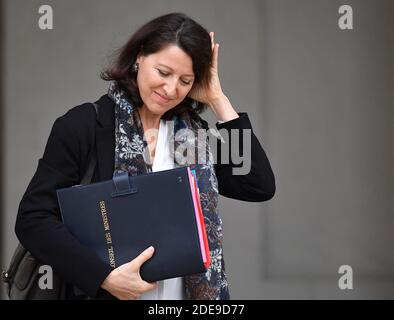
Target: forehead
<point x="175" y="58"/>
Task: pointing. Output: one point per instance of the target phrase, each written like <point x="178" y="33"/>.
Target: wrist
<point x="218" y="101"/>
<point x="223" y="109"/>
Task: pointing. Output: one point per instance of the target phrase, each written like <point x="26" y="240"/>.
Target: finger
<point x="130" y="296"/>
<point x="135" y="296"/>
<point x="127" y="296"/>
<point x="143" y="257"/>
<point x="215" y="57"/>
<point x="146" y="286"/>
<point x="212" y="34"/>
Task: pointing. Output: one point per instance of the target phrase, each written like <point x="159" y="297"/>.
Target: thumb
<point x="143" y="257"/>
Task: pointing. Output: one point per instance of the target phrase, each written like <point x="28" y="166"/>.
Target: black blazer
<point x="73" y="135"/>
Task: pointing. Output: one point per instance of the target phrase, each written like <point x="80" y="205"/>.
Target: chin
<point x="156" y="108"/>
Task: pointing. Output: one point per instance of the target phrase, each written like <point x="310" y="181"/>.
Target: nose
<point x="170" y="88"/>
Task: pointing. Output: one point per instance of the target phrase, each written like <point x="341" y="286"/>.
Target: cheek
<point x="147" y="81"/>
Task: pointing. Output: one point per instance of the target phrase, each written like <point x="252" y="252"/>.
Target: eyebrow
<point x="187" y="75"/>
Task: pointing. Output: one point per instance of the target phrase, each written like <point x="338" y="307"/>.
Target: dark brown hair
<point x="173" y="28"/>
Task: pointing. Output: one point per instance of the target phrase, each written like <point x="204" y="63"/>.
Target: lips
<point x="160" y="98"/>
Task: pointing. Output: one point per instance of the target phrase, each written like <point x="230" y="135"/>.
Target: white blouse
<point x="170" y="289"/>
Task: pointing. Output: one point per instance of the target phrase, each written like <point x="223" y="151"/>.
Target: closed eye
<point x="164" y="74"/>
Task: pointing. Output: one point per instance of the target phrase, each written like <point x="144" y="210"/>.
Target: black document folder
<point x="120" y="218"/>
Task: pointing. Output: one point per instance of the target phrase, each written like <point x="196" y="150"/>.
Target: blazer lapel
<point x="105" y="138"/>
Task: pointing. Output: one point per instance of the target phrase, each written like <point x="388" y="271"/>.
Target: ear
<point x="139" y="56"/>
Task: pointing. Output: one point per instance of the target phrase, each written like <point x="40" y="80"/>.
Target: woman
<point x="168" y="70"/>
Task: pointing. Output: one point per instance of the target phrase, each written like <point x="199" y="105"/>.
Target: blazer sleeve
<point x="259" y="183"/>
<point x="38" y="225"/>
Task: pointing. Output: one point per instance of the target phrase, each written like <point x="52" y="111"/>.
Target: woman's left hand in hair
<point x="212" y="93"/>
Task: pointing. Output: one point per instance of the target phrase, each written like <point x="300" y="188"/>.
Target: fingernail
<point x="150" y="249"/>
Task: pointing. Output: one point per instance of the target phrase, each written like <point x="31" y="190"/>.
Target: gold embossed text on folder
<point x="108" y="238"/>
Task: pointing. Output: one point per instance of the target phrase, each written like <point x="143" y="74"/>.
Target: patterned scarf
<point x="131" y="151"/>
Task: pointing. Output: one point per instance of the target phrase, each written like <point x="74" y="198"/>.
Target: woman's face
<point x="164" y="79"/>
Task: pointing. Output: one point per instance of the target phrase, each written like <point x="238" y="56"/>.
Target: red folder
<point x="200" y="220"/>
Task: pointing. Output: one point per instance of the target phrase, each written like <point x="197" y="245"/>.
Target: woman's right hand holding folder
<point x="125" y="282"/>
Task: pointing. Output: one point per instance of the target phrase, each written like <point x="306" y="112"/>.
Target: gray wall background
<point x="320" y="101"/>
